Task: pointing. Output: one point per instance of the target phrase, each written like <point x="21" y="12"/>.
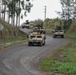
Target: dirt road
<point x="22" y="59"/>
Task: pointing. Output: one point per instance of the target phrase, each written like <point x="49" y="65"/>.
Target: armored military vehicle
<point x="58" y="32"/>
<point x="40" y="31"/>
<point x="36" y="38"/>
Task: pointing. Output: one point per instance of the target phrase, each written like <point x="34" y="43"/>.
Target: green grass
<point x="62" y="61"/>
<point x="13" y="41"/>
<point x="71" y="35"/>
<point x="64" y="68"/>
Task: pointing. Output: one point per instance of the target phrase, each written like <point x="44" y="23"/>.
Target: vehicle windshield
<point x="32" y="37"/>
<point x="58" y="30"/>
<point x="39" y="36"/>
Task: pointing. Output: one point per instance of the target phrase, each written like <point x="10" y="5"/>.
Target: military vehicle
<point x="28" y="26"/>
<point x="58" y="32"/>
<point x="40" y="31"/>
<point x="36" y="38"/>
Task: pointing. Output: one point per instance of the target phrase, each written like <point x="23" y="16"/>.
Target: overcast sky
<point x="37" y="11"/>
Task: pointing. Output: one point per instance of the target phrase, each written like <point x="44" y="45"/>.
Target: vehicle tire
<point x="54" y="36"/>
<point x="62" y="36"/>
<point x="40" y="44"/>
<point x="44" y="43"/>
<point x="29" y="44"/>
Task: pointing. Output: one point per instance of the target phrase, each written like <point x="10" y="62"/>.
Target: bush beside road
<point x="10" y="35"/>
<point x="12" y="42"/>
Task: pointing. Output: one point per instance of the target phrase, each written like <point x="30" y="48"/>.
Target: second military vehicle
<point x="58" y="32"/>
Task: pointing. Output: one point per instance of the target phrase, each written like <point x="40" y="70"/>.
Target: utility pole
<point x="45" y="13"/>
<point x="45" y="17"/>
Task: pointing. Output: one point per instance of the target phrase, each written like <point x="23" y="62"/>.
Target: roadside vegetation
<point x="50" y="24"/>
<point x="10" y="35"/>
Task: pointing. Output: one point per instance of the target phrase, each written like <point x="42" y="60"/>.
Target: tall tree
<point x="14" y="8"/>
<point x="68" y="11"/>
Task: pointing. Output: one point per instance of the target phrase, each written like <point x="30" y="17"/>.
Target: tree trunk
<point x="8" y="16"/>
<point x="4" y="11"/>
<point x="16" y="21"/>
<point x="19" y="15"/>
